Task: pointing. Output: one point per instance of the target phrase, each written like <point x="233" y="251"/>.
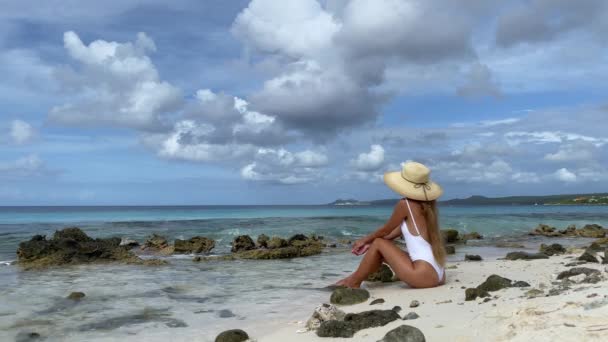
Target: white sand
<point x="445" y="316"/>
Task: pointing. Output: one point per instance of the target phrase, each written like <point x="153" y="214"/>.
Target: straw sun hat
<point x="413" y="182"/>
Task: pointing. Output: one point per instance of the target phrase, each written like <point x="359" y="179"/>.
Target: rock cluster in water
<point x="588" y="231"/>
<point x="71" y="246"/>
<point x="491" y="284"/>
<point x="298" y="245"/>
<point x="197" y="244"/>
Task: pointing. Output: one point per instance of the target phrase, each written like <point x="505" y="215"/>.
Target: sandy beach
<point x="579" y="313"/>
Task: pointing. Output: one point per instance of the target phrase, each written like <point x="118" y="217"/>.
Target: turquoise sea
<point x="189" y="301"/>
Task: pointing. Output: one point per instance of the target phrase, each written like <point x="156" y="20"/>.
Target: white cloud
<point x="565" y="175"/>
<point x="21" y="132"/>
<point x="116" y="84"/>
<point x="284" y="167"/>
<point x="370" y="161"/>
<point x="581" y="151"/>
<point x="28" y="166"/>
<point x="526" y="177"/>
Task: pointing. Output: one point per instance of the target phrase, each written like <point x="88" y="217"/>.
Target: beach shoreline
<point x="576" y="314"/>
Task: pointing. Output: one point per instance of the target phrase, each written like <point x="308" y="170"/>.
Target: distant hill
<point x="572" y="199"/>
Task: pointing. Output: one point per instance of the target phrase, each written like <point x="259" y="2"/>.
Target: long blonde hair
<point x="429" y="210"/>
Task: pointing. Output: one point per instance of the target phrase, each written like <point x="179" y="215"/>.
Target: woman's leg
<point x="379" y="251"/>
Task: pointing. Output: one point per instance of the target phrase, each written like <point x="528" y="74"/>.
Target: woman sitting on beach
<point x="414" y="218"/>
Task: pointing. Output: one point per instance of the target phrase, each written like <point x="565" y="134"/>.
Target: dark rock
<point x="552" y="249"/>
<point x="234" y="335"/>
<point x="71" y="246"/>
<point x="449" y="235"/>
<point x="592" y="231"/>
<point x="525" y="256"/>
<point x="156" y="242"/>
<point x="605" y="260"/>
<point x="588" y="257"/>
<point x="472" y="236"/>
<point x="263" y="240"/>
<point x="569" y="231"/>
<point x="27" y="336"/>
<point x="520" y="283"/>
<point x="396" y="309"/>
<point x="197" y="244"/>
<point x="414" y="304"/>
<point x="545" y="230"/>
<point x="471" y="257"/>
<point x="384" y="274"/>
<point x="297" y="237"/>
<point x="336" y="328"/>
<point x="348" y="296"/>
<point x="495" y="283"/>
<point x="377" y="301"/>
<point x="371" y="318"/>
<point x="333" y="245"/>
<point x="76" y="296"/>
<point x="276" y="242"/>
<point x="404" y="333"/>
<point x="411" y="315"/>
<point x="473" y="293"/>
<point x="197" y="259"/>
<point x="242" y="243"/>
<point x="449" y="249"/>
<point x="576" y="271"/>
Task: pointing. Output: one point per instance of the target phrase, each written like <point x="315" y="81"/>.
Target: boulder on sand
<point x="348" y="296"/>
<point x="383" y="274"/>
<point x="354" y="322"/>
<point x="449" y="249"/>
<point x="525" y="256"/>
<point x="197" y="244"/>
<point x="323" y="313"/>
<point x="552" y="249"/>
<point x="234" y="335"/>
<point x="71" y="246"/>
<point x="76" y="296"/>
<point x="404" y="333"/>
<point x="491" y="284"/>
<point x="472" y="257"/>
<point x="472" y="236"/>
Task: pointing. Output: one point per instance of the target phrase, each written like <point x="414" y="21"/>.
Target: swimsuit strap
<point x="412" y="216"/>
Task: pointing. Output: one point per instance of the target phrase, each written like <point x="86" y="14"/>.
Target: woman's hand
<point x="360" y="247"/>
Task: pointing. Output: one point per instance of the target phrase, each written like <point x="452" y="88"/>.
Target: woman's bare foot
<point x="348" y="282"/>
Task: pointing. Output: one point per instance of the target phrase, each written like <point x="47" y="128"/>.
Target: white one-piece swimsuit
<point x="418" y="247"/>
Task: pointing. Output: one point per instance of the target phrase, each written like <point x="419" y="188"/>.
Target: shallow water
<point x="195" y="301"/>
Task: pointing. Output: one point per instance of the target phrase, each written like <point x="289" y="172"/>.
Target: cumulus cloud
<point x="333" y="59"/>
<point x="21" y="132"/>
<point x="284" y="167"/>
<point x="114" y="84"/>
<point x="370" y="161"/>
<point x="565" y="175"/>
<point x="27" y="166"/>
<point x="545" y="20"/>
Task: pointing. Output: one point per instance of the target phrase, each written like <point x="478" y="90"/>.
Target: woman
<point x="414" y="218"/>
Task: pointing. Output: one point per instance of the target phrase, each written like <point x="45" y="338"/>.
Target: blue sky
<point x="272" y="102"/>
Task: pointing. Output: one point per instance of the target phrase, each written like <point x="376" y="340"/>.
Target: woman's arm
<point x="399" y="214"/>
<point x="394" y="234"/>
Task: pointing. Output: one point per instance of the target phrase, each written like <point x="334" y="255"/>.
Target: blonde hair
<point x="429" y="210"/>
